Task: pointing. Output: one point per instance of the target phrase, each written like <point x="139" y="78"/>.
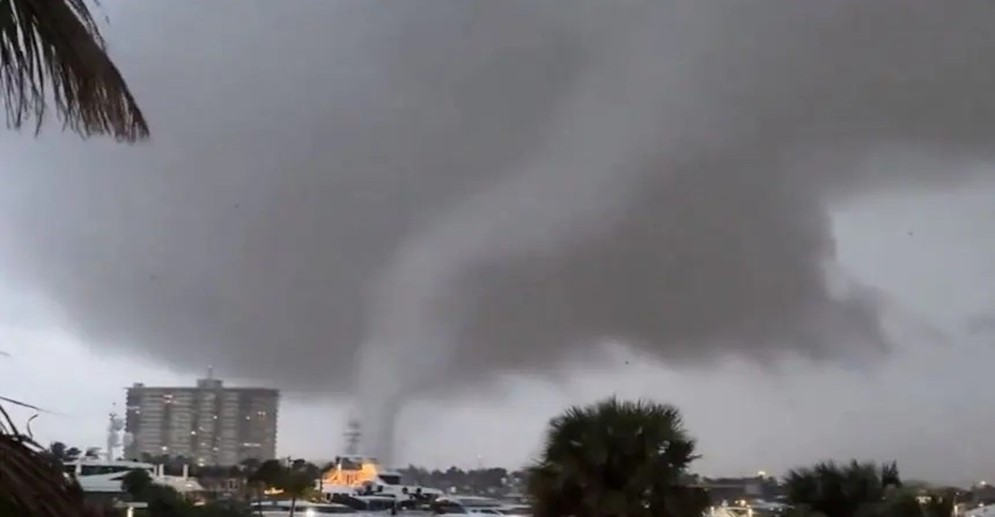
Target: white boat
<point x="301" y="509"/>
<point x="97" y="476"/>
<point x="103" y="475"/>
<point x="363" y="476"/>
<point x="516" y="510"/>
<point x="370" y="504"/>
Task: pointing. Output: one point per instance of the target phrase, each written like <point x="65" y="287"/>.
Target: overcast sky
<point x="464" y="203"/>
<point x="926" y="406"/>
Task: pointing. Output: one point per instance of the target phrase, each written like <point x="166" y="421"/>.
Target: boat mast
<point x="353" y="435"/>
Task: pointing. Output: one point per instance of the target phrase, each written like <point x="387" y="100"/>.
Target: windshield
<point x="391" y="479"/>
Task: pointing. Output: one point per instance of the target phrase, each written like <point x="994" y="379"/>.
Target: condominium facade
<point x="209" y="424"/>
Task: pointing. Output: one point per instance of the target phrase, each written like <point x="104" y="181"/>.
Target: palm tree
<point x="53" y="50"/>
<point x="297" y="481"/>
<point x="57" y="450"/>
<point x="267" y="474"/>
<point x="63" y="453"/>
<point x="136" y="484"/>
<point x="247" y="468"/>
<point x="616" y="458"/>
<point x="854" y="489"/>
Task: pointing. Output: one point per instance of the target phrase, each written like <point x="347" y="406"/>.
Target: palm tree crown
<point x="616" y="458"/>
<point x="846" y="490"/>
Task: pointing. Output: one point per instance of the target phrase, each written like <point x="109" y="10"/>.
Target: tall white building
<point x="209" y="424"/>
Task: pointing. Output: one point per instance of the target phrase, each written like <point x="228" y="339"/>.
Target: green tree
<point x="940" y="503"/>
<point x="270" y="472"/>
<point x="848" y="490"/>
<point x="164" y="501"/>
<point x="250" y="464"/>
<point x="616" y="458"/>
<point x="267" y="474"/>
<point x="63" y="453"/>
<point x="57" y="450"/>
<point x="297" y="481"/>
<point x="136" y="484"/>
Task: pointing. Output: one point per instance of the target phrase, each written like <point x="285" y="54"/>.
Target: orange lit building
<point x="355" y="472"/>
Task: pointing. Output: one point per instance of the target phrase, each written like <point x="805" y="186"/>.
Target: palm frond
<point x="53" y="50"/>
<point x="23" y="404"/>
<point x="31" y="481"/>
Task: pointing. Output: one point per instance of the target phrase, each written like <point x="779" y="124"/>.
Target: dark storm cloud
<point x="982" y="325"/>
<point x="506" y="183"/>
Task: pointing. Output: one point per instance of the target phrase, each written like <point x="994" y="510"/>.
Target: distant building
<point x="208" y="424"/>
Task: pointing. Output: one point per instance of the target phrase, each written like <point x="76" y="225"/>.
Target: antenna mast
<point x="353" y="434"/>
<point x="114" y="428"/>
